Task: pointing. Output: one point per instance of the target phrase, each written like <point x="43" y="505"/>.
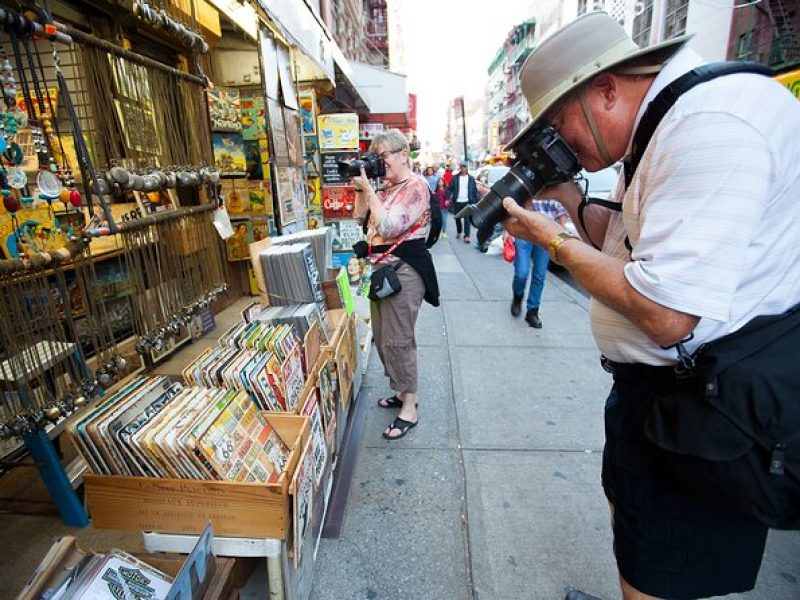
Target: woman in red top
<point x="444" y="203"/>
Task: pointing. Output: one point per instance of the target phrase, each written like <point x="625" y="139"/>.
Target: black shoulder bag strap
<point x="656" y="110"/>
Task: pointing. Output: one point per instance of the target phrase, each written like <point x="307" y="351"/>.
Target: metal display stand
<point x="39" y="443"/>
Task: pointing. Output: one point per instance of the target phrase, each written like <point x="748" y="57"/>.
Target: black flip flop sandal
<point x="393" y="402"/>
<point x="402" y="426"/>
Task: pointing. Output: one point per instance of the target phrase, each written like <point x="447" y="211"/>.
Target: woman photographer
<point x="398" y="214"/>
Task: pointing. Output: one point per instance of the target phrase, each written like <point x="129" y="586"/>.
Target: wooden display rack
<point x="249" y="510"/>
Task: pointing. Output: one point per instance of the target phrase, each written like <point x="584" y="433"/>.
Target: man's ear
<point x="606" y="85"/>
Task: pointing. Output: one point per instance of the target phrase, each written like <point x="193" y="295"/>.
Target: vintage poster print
<point x="338" y="202"/>
<point x="338" y="131"/>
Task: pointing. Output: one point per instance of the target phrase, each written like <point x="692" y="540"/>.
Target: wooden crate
<point x="186" y="505"/>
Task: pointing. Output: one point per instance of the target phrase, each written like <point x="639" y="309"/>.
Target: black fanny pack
<point x="384" y="282"/>
<point x="732" y="429"/>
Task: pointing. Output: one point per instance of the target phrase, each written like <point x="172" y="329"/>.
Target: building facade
<point x="767" y="32"/>
<point x="507" y="110"/>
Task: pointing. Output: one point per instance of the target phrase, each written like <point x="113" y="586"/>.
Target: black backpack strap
<point x="656" y="110"/>
<point x="607" y="204"/>
<point x="659" y="106"/>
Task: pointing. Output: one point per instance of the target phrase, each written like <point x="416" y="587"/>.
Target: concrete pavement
<point x="496" y="493"/>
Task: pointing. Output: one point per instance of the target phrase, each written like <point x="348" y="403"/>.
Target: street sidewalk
<point x="496" y="493"/>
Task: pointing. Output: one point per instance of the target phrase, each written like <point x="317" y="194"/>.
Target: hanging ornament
<point x="13" y="153"/>
<point x="52" y="413"/>
<point x="17" y="178"/>
<point x="11" y="203"/>
<point x="75" y="198"/>
<point x="64" y="195"/>
<point x="49" y="184"/>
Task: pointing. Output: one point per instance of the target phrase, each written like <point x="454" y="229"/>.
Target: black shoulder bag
<point x="384" y="282"/>
<point x="731" y="431"/>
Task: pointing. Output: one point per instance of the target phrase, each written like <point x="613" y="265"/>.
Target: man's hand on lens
<point x="360" y="182"/>
<point x="528" y="225"/>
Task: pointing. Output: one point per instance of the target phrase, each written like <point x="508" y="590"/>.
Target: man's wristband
<point x="554" y="244"/>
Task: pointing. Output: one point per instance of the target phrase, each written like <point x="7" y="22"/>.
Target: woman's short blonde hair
<point x="391" y="139"/>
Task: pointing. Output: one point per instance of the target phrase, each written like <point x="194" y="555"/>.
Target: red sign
<point x="412" y="111"/>
<point x="338" y="202"/>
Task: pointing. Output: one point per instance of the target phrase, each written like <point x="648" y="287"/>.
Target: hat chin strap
<point x="598" y="140"/>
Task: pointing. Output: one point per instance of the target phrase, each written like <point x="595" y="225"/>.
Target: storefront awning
<point x="347" y="95"/>
<point x="384" y="91"/>
<point x="301" y="27"/>
<point x="318" y="56"/>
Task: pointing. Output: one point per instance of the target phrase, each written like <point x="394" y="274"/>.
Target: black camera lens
<point x="373" y="165"/>
<point x="545" y="159"/>
<point x="349" y="168"/>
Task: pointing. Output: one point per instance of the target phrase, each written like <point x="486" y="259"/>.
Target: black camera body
<point x="544" y="159"/>
<point x="373" y="165"/>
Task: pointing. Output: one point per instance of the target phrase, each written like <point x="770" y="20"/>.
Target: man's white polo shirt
<point x="712" y="213"/>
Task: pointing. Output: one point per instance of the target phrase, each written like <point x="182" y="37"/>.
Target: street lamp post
<point x="464" y="128"/>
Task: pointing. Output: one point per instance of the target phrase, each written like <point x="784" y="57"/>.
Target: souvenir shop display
<point x="262" y="359"/>
<point x="292" y="277"/>
<point x="321" y="240"/>
<point x="301" y="316"/>
<point x="70" y="572"/>
<point x="175" y="274"/>
<point x="160" y="19"/>
<point x="224" y="110"/>
<point x="155" y="428"/>
<point x="43" y="367"/>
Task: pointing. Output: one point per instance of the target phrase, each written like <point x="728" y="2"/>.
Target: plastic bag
<point x="509" y="249"/>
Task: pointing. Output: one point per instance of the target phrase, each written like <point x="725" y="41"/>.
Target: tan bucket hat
<point x="592" y="43"/>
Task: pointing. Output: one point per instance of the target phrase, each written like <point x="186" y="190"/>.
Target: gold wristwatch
<point x="554" y="244"/>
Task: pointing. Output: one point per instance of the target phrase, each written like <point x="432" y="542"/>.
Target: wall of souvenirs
<point x="118" y="174"/>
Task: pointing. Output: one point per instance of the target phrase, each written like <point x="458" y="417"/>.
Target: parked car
<point x="486" y="176"/>
<point x="601" y="184"/>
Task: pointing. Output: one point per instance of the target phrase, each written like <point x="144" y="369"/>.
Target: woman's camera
<point x="374" y="167"/>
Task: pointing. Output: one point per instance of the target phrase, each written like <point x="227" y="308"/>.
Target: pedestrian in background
<point x="462" y="191"/>
<point x="432" y="177"/>
<point x="531" y="259"/>
<point x="447" y="175"/>
<point x="444" y="204"/>
<point x="702" y="242"/>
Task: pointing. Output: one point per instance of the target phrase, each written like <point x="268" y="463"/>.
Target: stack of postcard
<point x="262" y="359"/>
<point x="321" y="240"/>
<point x="156" y="428"/>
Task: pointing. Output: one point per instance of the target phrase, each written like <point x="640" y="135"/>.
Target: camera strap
<point x="656" y="109"/>
<point x="419" y="223"/>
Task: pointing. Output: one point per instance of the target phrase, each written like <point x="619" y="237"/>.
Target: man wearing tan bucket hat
<point x="704" y="239"/>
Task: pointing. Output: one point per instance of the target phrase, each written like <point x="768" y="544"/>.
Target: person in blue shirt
<point x="530" y="255"/>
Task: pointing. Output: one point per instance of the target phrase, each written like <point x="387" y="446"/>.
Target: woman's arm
<point x="364" y="194"/>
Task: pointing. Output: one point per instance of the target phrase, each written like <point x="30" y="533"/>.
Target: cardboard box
<point x="186" y="505"/>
